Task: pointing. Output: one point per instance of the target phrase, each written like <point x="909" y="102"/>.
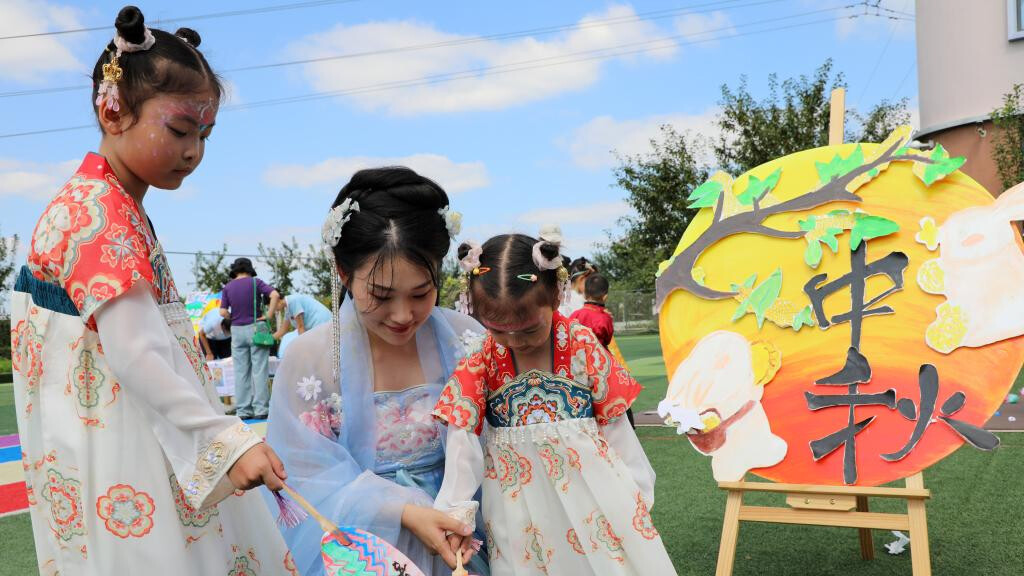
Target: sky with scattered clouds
<point x="517" y="108"/>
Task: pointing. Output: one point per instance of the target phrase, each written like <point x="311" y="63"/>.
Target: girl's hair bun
<point x="190" y="36"/>
<point x="131" y="24"/>
<point x="464" y="249"/>
<point x="549" y="250"/>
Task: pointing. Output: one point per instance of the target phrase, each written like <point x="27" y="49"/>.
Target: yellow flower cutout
<point x="929" y="233"/>
<point x="766" y="359"/>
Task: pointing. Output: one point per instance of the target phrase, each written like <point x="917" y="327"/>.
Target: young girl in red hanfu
<point x="567" y="487"/>
<point x="131" y="465"/>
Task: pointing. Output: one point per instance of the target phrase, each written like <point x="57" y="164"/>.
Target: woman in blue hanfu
<point x="350" y="414"/>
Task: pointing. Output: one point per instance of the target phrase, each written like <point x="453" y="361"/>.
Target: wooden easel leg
<point x="730" y="534"/>
<point x="920" y="557"/>
<point x="867" y="547"/>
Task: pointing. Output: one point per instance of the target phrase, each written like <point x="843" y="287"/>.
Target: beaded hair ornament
<point x="331" y="235"/>
<point x="107" y="96"/>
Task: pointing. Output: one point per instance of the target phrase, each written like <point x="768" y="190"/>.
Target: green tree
<point x="317" y="263"/>
<point x="210" y="271"/>
<point x="794" y="116"/>
<point x="1008" y="140"/>
<point x="880" y="121"/>
<point x="451" y="283"/>
<point x="8" y="250"/>
<point x="283" y="263"/>
<point x="8" y="266"/>
<point x="655" y="185"/>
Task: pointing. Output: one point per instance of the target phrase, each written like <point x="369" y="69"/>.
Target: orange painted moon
<point x="894" y="344"/>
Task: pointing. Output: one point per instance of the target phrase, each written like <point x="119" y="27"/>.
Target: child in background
<point x="593" y="314"/>
<point x="130" y="463"/>
<point x="215" y="335"/>
<point x="567" y="487"/>
<point x="302" y="311"/>
<point x="573" y="298"/>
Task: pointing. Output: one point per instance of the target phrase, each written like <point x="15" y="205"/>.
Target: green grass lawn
<point x="5" y="365"/>
<point x="975" y="516"/>
<point x="643" y="354"/>
<point x="8" y="423"/>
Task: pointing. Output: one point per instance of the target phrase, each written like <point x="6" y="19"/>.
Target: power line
<point x="228" y="14"/>
<point x="878" y="62"/>
<point x="598" y="54"/>
<point x="906" y="75"/>
<point x="640" y="17"/>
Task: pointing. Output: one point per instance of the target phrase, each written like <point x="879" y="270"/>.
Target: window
<point x="1015" y="19"/>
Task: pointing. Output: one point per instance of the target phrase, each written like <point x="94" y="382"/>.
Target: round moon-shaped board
<point x="744" y="344"/>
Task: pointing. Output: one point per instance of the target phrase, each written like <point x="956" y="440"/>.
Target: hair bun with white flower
<point x="547" y="252"/>
<point x="452" y="221"/>
<point x="336" y="220"/>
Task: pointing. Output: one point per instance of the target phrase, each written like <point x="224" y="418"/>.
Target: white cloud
<point x="334" y="172"/>
<point x="30" y="59"/>
<point x="595" y="144"/>
<point x="583" y="225"/>
<point x="33" y="180"/>
<point x="703" y="27"/>
<point x="601" y="214"/>
<point x="474" y="90"/>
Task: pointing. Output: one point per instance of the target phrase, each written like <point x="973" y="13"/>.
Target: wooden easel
<point x="843" y="506"/>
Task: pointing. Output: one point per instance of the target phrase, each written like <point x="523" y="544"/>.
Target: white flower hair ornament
<point x="471" y="260"/>
<point x="336" y="220"/>
<point x="550" y="234"/>
<point x="452" y="221"/>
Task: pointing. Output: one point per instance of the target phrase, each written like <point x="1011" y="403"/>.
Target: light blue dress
<point x="357" y="455"/>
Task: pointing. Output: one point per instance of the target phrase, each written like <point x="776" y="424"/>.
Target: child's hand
<point x="465" y="543"/>
<point x="430" y="525"/>
<point x="259" y="465"/>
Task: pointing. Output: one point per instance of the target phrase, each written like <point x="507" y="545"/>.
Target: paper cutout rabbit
<point x="715" y="398"/>
<point x="980" y="270"/>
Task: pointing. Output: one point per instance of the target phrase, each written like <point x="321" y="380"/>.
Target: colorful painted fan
<point x="366" y="554"/>
<point x="347" y="551"/>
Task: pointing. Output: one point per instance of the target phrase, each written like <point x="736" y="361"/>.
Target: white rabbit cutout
<point x="982" y="276"/>
<point x="718" y="375"/>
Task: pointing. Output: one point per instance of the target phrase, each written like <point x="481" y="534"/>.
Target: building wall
<point x="966" y="141"/>
<point x="965" y="64"/>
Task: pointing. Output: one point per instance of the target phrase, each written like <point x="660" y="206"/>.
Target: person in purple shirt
<point x="252" y="397"/>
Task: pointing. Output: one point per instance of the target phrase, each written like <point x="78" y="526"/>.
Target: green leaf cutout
<point x="813" y="253"/>
<point x="757" y="188"/>
<point x="705" y="195"/>
<point x="943" y="166"/>
<point x="761" y="298"/>
<point x="839" y="166"/>
<point x="803" y="318"/>
<point x="868" y="227"/>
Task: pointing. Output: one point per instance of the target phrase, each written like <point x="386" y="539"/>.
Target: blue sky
<point x="515" y="149"/>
